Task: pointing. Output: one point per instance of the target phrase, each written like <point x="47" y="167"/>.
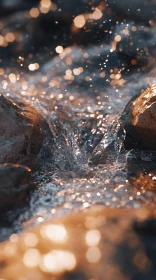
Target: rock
<point x="22" y="133"/>
<point x="139" y="161"/>
<point x="139" y="121"/>
<point x="98" y="243"/>
<point x="15" y="184"/>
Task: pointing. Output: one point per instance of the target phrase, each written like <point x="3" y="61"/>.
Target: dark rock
<point x="141" y="161"/>
<point x="22" y="133"/>
<point x="15" y="183"/>
<point x="139" y="121"/>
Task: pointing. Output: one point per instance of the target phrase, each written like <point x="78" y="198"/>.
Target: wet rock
<point x="96" y="244"/>
<point x="141" y="161"/>
<point x="139" y="121"/>
<point x="15" y="183"/>
<point x="22" y="133"/>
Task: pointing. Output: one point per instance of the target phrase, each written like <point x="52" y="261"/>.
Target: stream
<point x="79" y="64"/>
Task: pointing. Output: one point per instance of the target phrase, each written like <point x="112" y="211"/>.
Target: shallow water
<point x="81" y="92"/>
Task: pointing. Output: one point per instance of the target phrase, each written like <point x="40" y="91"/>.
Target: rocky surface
<point x="22" y="133"/>
<point x="139" y="120"/>
<point x="96" y="244"/>
<point x="15" y="183"/>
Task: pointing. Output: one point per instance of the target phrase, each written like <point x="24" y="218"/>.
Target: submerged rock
<point x="22" y="133"/>
<point x="96" y="244"/>
<point x="15" y="183"/>
<point x="139" y="121"/>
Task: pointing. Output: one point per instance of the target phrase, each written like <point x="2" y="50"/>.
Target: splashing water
<point x="82" y="90"/>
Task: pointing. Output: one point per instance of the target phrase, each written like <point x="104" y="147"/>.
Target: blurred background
<point x="35" y="28"/>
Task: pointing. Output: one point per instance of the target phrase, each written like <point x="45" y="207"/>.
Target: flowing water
<point x="79" y="74"/>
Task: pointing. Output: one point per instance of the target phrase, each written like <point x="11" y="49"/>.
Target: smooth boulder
<point x="139" y="121"/>
<point x="15" y="183"/>
<point x="22" y="133"/>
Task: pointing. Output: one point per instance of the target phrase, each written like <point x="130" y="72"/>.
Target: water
<point x="81" y="92"/>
